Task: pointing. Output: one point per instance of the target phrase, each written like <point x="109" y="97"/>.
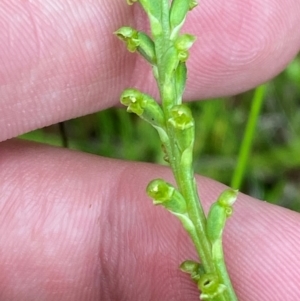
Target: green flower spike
<point x="167" y="51"/>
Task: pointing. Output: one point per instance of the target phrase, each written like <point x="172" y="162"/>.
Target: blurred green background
<point x="273" y="167"/>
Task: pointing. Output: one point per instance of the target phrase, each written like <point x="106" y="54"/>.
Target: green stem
<point x="186" y="184"/>
<point x="183" y="174"/>
<point x="245" y="148"/>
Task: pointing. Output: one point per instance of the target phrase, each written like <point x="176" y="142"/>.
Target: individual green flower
<point x="195" y="269"/>
<point x="130" y="36"/>
<point x="181" y="117"/>
<point x="144" y="106"/>
<point x="183" y="43"/>
<point x="166" y="195"/>
<point x="137" y="41"/>
<point x="134" y="100"/>
<point x="181" y="125"/>
<point x="210" y="286"/>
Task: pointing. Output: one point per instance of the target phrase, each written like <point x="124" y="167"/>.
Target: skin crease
<point x="79" y="227"/>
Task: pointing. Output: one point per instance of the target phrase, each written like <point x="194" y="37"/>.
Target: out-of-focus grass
<point x="273" y="170"/>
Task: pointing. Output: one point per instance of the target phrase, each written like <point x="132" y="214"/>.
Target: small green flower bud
<point x="166" y="195"/>
<point x="210" y="286"/>
<point x="160" y="191"/>
<point x="146" y="48"/>
<point x="129" y="36"/>
<point x="227" y="197"/>
<point x="178" y="12"/>
<point x="219" y="212"/>
<point x="144" y="106"/>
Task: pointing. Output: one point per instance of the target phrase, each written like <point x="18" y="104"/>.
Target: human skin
<point x="79" y="227"/>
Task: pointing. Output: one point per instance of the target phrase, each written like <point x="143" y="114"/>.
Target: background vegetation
<point x="273" y="168"/>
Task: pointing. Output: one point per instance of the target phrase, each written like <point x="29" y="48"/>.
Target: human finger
<point x="80" y="227"/>
<point x="60" y="59"/>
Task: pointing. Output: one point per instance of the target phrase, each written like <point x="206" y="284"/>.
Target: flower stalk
<point x="167" y="51"/>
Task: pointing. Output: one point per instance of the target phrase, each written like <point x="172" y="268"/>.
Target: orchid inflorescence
<point x="167" y="51"/>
